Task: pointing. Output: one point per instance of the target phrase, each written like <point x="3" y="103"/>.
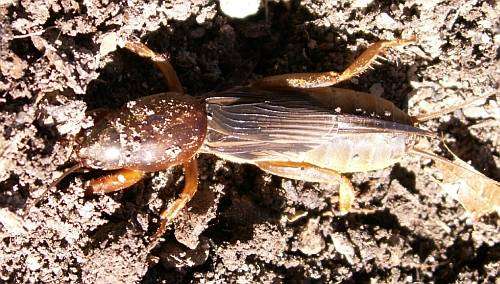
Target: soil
<point x="58" y="60"/>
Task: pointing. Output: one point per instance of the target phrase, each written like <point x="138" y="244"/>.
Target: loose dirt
<point x="58" y="59"/>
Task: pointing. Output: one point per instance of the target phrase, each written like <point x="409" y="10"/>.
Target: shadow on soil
<point x="469" y="148"/>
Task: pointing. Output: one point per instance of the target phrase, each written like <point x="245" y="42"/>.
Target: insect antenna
<point x="425" y="117"/>
<point x="72" y="169"/>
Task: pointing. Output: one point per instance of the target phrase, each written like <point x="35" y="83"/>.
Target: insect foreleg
<point x="116" y="181"/>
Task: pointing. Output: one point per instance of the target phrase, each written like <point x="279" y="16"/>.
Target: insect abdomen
<point x="360" y="152"/>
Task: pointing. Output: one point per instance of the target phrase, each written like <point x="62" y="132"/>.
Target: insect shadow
<point x="462" y="256"/>
<point x="406" y="178"/>
<point x="469" y="148"/>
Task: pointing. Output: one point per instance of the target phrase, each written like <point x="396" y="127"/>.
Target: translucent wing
<point x="252" y="123"/>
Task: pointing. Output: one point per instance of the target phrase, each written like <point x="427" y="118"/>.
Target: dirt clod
<point x="310" y="241"/>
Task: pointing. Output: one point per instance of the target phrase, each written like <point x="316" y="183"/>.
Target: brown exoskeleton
<point x="292" y="125"/>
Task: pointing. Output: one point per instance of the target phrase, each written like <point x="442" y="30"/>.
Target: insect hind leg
<point x="330" y="78"/>
<point x="370" y="55"/>
<point x="312" y="173"/>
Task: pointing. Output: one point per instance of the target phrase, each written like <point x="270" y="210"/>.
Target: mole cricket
<point x="294" y="125"/>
